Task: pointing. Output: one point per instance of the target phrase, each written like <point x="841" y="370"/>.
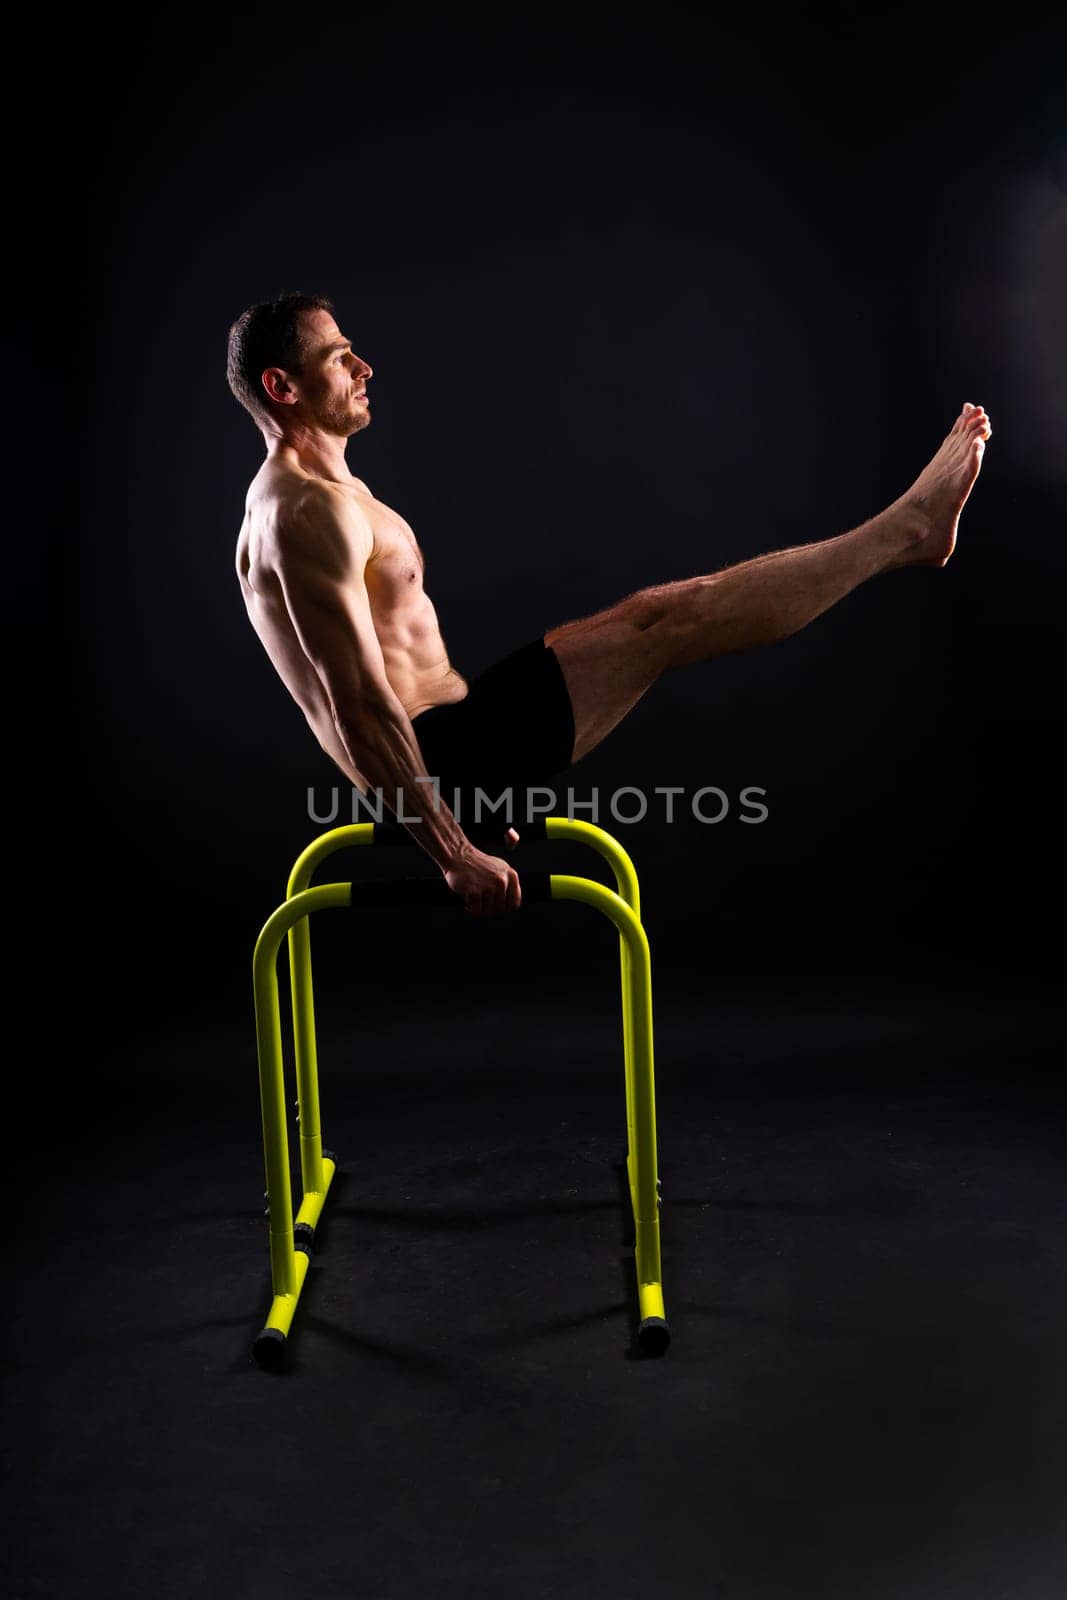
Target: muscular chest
<point x="395" y="571"/>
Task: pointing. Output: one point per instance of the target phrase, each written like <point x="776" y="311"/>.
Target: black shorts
<point x="513" y="730"/>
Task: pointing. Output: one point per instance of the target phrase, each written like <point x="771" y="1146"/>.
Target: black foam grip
<point x="486" y="835"/>
<point x="433" y="894"/>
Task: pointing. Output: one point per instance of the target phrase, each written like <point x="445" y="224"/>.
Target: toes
<point x="972" y="423"/>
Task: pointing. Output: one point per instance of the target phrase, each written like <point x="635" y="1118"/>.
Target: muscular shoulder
<point x="319" y="523"/>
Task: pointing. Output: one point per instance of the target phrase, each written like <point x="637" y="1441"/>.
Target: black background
<point x="642" y="298"/>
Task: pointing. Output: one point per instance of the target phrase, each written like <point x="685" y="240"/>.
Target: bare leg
<point x="610" y="659"/>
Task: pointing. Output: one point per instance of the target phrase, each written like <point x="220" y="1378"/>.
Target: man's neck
<point x="320" y="454"/>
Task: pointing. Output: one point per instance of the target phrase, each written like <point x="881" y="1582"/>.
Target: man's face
<point x="331" y="390"/>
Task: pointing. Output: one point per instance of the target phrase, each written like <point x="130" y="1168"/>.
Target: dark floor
<point x="865" y="1268"/>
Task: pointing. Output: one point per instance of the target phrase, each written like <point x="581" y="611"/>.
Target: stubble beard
<point x="339" y="417"/>
<point x="344" y="420"/>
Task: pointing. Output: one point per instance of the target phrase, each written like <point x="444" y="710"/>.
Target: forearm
<point x="380" y="742"/>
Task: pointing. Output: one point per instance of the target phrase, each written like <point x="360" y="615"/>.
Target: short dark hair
<point x="267" y="335"/>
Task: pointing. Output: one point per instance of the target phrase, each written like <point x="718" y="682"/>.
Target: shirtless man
<point x="332" y="580"/>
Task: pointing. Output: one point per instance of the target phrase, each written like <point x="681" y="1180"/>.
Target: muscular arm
<point x="321" y="549"/>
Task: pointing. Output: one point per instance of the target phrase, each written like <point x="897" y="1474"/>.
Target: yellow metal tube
<point x="610" y="848"/>
<point x="355" y="833"/>
<point x="314" y="1180"/>
<point x="283" y="1306"/>
<point x="362" y="833"/>
<point x="286" y="1272"/>
<point x="300" y="977"/>
<point x="626" y="882"/>
<point x="623" y="908"/>
<point x="643" y="1191"/>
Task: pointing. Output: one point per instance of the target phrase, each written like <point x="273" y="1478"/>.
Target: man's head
<point x="290" y="366"/>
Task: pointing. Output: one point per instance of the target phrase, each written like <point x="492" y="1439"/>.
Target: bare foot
<point x="931" y="508"/>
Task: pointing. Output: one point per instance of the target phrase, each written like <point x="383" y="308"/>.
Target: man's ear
<point x="276" y="382"/>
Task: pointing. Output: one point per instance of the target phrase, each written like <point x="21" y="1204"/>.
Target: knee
<point x="646" y="610"/>
<point x="674" y="628"/>
<point x="653" y="631"/>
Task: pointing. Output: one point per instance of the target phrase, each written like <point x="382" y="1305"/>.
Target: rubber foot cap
<point x="304" y="1237"/>
<point x="654" y="1336"/>
<point x="269" y="1349"/>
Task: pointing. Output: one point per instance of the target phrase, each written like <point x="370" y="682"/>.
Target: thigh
<point x="608" y="662"/>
